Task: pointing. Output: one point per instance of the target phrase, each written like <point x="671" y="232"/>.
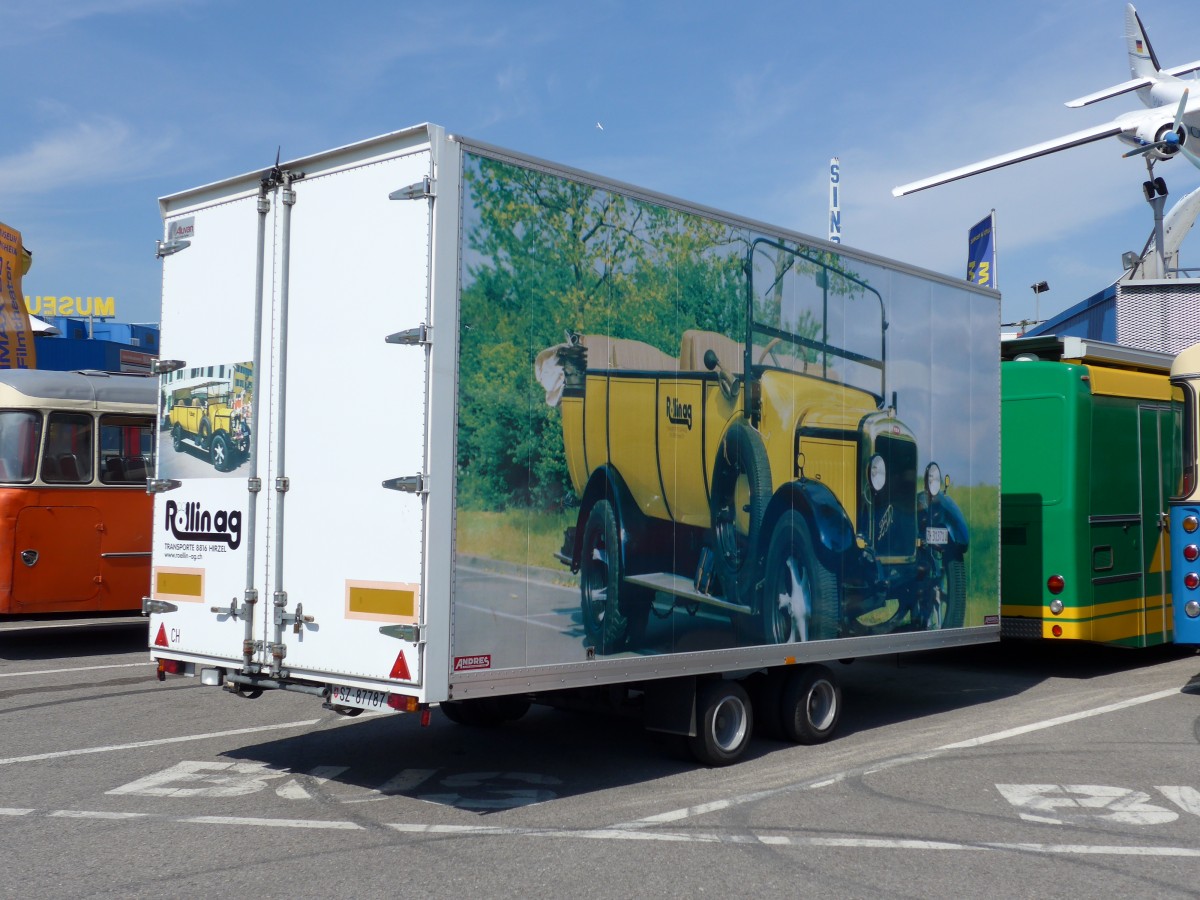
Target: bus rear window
<point x="20" y="436"/>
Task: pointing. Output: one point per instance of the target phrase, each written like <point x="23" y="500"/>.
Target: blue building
<point x="1151" y="314"/>
<point x="107" y="346"/>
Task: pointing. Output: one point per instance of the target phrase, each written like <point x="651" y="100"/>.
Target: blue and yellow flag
<point x="981" y="253"/>
<point x="16" y="337"/>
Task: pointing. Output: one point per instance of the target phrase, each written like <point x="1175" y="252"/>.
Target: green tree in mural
<point x="544" y="256"/>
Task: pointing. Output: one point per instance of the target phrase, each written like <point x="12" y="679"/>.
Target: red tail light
<point x="1191" y="552"/>
<point x="1055" y="584"/>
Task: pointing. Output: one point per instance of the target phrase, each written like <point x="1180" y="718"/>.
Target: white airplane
<point x="1170" y="126"/>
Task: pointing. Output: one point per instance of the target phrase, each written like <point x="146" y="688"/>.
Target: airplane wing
<point x="1086" y="136"/>
<point x="1123" y="88"/>
<point x="1184" y="69"/>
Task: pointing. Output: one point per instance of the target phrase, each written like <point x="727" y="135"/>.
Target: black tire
<point x="614" y="613"/>
<point x="811" y="706"/>
<point x="177" y="437"/>
<point x="741" y="488"/>
<point x="724" y="723"/>
<point x="221" y="453"/>
<point x="800" y="596"/>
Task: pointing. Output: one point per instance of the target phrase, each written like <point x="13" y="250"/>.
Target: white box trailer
<point x="514" y="432"/>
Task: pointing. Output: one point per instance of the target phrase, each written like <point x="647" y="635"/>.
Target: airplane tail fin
<point x="1142" y="61"/>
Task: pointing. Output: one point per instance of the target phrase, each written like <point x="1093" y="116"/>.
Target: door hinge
<point x="421" y="190"/>
<point x="422" y="334"/>
<point x="166" y="248"/>
<point x="410" y="633"/>
<point x="157" y="606"/>
<point x="407" y="484"/>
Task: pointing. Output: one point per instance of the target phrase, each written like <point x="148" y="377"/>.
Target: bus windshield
<point x="1187" y="472"/>
<point x="20" y="436"/>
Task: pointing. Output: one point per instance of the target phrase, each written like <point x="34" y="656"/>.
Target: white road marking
<point x="137" y="745"/>
<point x="920" y="756"/>
<point x="849" y="842"/>
<point x="11" y="811"/>
<point x="1060" y="720"/>
<point x="269" y="823"/>
<point x="76" y="669"/>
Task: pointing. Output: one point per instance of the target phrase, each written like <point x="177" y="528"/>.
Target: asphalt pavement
<point x="1005" y="770"/>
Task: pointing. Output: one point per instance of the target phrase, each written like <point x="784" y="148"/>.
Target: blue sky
<point x="738" y="107"/>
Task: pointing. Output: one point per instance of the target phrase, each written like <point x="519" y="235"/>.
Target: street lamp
<point x="1038" y="288"/>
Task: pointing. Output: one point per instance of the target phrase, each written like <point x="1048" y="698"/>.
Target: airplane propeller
<point x="1171" y="142"/>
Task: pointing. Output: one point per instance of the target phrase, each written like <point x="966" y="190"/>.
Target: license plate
<point x="360" y="698"/>
<point x="936" y="537"/>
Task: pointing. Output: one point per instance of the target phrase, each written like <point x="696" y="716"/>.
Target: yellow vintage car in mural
<point x="758" y="476"/>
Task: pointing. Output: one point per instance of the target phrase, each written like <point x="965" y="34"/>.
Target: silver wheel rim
<point x="822" y="705"/>
<point x="728" y="728"/>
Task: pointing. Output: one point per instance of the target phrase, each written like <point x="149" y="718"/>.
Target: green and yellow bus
<point x="1185" y="504"/>
<point x="1090" y="455"/>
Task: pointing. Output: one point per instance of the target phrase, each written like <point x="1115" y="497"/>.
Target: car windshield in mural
<point x="680" y="434"/>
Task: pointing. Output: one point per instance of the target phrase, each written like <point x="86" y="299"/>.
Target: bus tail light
<point x="1191" y="581"/>
<point x="1192" y="609"/>
<point x="1056" y="631"/>
<point x="1191" y="552"/>
<point x="1190" y="524"/>
<point x="1055" y="584"/>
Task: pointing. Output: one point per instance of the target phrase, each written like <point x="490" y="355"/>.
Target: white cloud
<point x="98" y="150"/>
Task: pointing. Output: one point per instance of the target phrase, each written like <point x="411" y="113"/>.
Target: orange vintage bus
<point x="75" y="518"/>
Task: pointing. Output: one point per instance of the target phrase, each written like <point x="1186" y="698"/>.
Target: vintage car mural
<point x="767" y="473"/>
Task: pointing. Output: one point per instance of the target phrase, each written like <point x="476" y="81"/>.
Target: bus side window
<point x="67" y="456"/>
<point x="123" y="442"/>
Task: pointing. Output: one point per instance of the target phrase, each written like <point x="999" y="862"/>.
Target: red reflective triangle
<point x="161" y="639"/>
<point x="400" y="669"/>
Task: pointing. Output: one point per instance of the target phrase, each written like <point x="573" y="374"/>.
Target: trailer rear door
<point x="289" y="540"/>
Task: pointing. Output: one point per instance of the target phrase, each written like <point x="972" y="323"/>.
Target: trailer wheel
<point x="724" y="723"/>
<point x="177" y="438"/>
<point x="812" y="704"/>
<point x="613" y="612"/>
<point x="741" y="487"/>
<point x="800" y="593"/>
<point x="222" y="456"/>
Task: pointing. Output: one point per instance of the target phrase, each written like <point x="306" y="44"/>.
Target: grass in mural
<point x="514" y="536"/>
<point x="981" y="506"/>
